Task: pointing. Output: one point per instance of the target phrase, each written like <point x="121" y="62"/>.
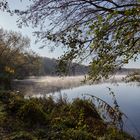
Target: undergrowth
<point x="46" y="119"/>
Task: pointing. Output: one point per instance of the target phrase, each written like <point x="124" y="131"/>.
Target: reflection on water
<point x="128" y="98"/>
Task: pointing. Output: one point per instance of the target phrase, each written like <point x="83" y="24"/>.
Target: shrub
<point x="22" y="136"/>
<point x="32" y="113"/>
<point x="71" y="134"/>
<point x="87" y="108"/>
<point x="47" y="103"/>
<point x="115" y="134"/>
<point x="5" y="96"/>
<point x="15" y="104"/>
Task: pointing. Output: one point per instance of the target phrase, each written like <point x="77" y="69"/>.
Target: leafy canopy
<point x="105" y="32"/>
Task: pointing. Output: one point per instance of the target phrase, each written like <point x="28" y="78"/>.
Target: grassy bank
<point x="46" y="119"/>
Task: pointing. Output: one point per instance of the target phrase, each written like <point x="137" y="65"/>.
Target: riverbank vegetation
<point x="17" y="60"/>
<point x="46" y="119"/>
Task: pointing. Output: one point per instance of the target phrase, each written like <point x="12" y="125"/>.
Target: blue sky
<point x="9" y="23"/>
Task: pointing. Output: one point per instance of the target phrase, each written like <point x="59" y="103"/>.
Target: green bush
<point x="15" y="104"/>
<point x="5" y="96"/>
<point x="47" y="103"/>
<point x="71" y="134"/>
<point x="22" y="136"/>
<point x="115" y="134"/>
<point x="86" y="106"/>
<point x="32" y="113"/>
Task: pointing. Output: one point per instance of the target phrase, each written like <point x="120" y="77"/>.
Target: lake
<point x="127" y="95"/>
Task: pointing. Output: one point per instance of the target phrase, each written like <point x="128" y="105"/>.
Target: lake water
<point x="127" y="95"/>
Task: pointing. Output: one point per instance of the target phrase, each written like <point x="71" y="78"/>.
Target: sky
<point x="8" y="22"/>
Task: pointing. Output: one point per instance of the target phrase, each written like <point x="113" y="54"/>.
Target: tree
<point x="16" y="59"/>
<point x="106" y="31"/>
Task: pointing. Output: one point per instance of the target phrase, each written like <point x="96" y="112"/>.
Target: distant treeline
<point x="51" y="66"/>
<point x="128" y="70"/>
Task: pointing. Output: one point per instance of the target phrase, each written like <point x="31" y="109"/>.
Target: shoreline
<point x="46" y="84"/>
<point x="49" y="84"/>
